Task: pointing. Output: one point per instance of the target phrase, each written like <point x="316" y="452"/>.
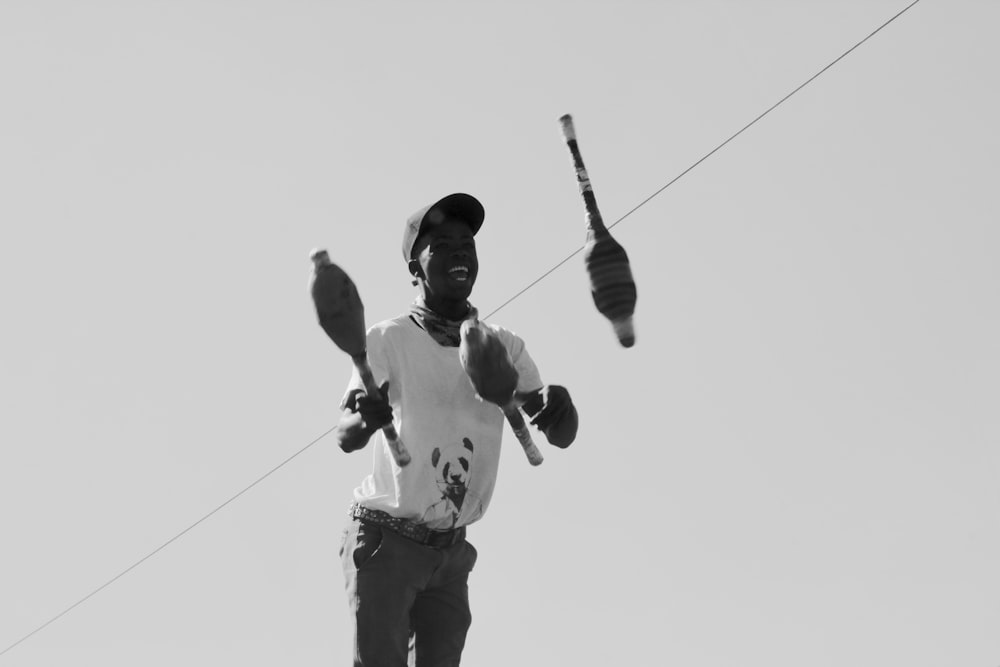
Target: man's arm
<point x="362" y="416"/>
<point x="553" y="413"/>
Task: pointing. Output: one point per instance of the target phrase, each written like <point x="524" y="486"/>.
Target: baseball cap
<point x="459" y="205"/>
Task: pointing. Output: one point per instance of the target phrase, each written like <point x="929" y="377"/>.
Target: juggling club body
<point x="487" y="363"/>
<point x="341" y="314"/>
<point x="493" y="376"/>
<point x="339" y="308"/>
<point x="611" y="284"/>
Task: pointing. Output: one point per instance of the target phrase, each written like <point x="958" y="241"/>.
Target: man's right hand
<point x="374" y="410"/>
<point x="363" y="415"/>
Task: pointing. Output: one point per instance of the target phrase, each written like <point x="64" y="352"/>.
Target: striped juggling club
<point x="611" y="284"/>
<point x="342" y="316"/>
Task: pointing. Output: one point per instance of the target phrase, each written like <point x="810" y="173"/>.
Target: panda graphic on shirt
<point x="452" y="469"/>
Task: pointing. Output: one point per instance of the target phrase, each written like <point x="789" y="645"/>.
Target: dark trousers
<point x="406" y="599"/>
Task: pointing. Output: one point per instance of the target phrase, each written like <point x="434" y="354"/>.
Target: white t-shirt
<point x="453" y="437"/>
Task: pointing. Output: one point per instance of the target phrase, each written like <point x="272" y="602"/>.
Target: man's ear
<point x="415" y="270"/>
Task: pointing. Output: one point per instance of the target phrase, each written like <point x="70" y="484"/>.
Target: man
<point x="405" y="554"/>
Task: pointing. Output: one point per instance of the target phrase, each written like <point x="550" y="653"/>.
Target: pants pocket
<point x="366" y="544"/>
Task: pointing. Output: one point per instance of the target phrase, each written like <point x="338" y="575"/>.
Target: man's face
<point x="447" y="257"/>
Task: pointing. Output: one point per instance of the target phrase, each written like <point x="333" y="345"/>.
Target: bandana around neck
<point x="446" y="332"/>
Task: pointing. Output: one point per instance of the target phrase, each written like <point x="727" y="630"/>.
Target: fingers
<point x="556" y="402"/>
<point x="530" y="401"/>
<point x="363" y="401"/>
<point x="348" y="447"/>
<point x="350" y="401"/>
<point x="376" y="411"/>
<point x="549" y="415"/>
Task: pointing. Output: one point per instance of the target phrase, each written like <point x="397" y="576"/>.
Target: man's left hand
<point x="553" y="413"/>
<point x="555" y="401"/>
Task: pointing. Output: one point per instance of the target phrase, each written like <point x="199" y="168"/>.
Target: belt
<point x="417" y="532"/>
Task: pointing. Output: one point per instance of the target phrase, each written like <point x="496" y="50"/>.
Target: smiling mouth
<point x="459" y="273"/>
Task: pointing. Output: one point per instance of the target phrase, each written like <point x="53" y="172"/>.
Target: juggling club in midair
<point x="342" y="316"/>
<point x="611" y="283"/>
<point x="493" y="376"/>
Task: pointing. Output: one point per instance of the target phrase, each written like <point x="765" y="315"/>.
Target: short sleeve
<point x="529" y="379"/>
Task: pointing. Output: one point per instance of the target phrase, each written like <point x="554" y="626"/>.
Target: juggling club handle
<point x="516" y="421"/>
<point x="594" y="219"/>
<point x="396" y="447"/>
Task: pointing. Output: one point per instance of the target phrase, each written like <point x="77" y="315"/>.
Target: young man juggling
<point x="405" y="554"/>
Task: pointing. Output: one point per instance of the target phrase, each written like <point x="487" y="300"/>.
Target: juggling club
<point x="342" y="316"/>
<point x="611" y="284"/>
<point x="493" y="376"/>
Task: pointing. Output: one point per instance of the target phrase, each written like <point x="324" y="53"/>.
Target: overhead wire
<point x="500" y="307"/>
<point x="165" y="544"/>
<point x="707" y="155"/>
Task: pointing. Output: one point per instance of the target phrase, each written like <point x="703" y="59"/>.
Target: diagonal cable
<point x="711" y="152"/>
<point x="162" y="546"/>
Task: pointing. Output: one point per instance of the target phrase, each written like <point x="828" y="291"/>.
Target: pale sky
<point x="797" y="464"/>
